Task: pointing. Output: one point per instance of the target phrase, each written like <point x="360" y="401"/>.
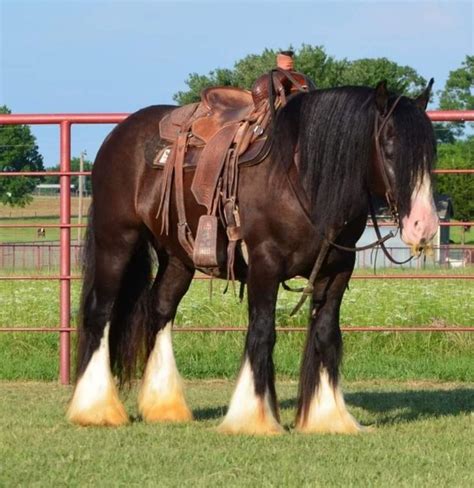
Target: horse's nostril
<point x="417" y="223"/>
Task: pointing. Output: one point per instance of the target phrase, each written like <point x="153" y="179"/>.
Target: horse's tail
<point x="88" y="272"/>
<point x="128" y="327"/>
<point x="130" y="312"/>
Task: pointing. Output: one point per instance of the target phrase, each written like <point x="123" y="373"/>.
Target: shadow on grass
<point x="209" y="413"/>
<point x="394" y="406"/>
<point x="409" y="405"/>
<point x="402" y="406"/>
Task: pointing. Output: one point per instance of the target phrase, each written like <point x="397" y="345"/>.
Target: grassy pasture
<point x="421" y="436"/>
<point x="415" y="390"/>
<point x="43" y="210"/>
<point x="30" y="235"/>
<point x="42" y="206"/>
<point x="409" y="356"/>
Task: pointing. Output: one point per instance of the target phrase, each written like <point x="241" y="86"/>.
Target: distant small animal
<point x="41" y="232"/>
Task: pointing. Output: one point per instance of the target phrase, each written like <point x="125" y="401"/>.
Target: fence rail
<point x="35" y="258"/>
<point x="232" y="328"/>
<point x="65" y="121"/>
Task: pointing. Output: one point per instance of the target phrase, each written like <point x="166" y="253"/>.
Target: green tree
<point x="458" y="91"/>
<point x="18" y="152"/>
<point x="459" y="155"/>
<point x="457" y="94"/>
<point x="368" y="72"/>
<point x="324" y="70"/>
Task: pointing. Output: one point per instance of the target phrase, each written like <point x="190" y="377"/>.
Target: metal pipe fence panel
<point x="62" y="257"/>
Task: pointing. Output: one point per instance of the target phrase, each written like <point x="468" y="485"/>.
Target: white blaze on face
<point x="422" y="224"/>
<point x="161" y="396"/>
<point x="95" y="400"/>
<point x="249" y="413"/>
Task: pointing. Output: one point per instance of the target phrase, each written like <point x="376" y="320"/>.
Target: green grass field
<point x="29" y="234"/>
<point x="42" y="210"/>
<point x="42" y="207"/>
<point x="421" y="436"/>
<point x="408" y="356"/>
<point x="415" y="389"/>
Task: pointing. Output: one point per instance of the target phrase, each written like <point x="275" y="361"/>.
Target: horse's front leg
<point x="161" y="397"/>
<point x="253" y="408"/>
<point x="321" y="406"/>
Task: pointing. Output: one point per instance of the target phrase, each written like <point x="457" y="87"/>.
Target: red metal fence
<point x="65" y="121"/>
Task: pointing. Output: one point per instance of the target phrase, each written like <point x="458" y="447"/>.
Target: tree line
<point x="18" y="149"/>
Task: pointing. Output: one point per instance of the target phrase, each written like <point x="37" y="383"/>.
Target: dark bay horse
<point x="313" y="185"/>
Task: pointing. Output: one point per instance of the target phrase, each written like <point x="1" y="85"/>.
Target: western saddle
<point x="228" y="127"/>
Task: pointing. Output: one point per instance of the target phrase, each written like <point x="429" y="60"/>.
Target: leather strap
<point x="309" y="288"/>
<point x="381" y="162"/>
<point x="164" y="204"/>
<point x="174" y="166"/>
<point x="379" y="236"/>
<point x="185" y="236"/>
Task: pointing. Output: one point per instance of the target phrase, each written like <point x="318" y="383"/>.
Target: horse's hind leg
<point x="321" y="406"/>
<point x="95" y="399"/>
<point x="161" y="396"/>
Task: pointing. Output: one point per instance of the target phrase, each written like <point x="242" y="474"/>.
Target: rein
<point x="380" y="240"/>
<point x="325" y="248"/>
<point x="328" y="243"/>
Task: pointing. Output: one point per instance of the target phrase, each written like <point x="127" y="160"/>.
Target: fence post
<point x="65" y="252"/>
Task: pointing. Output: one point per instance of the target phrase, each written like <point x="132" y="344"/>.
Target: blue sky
<point x="119" y="56"/>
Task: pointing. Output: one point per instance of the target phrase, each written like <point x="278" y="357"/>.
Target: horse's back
<point x="122" y="169"/>
<point x="131" y="139"/>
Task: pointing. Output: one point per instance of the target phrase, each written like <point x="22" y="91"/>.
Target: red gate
<point x="65" y="121"/>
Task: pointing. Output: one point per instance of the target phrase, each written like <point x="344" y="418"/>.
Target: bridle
<point x="381" y="162"/>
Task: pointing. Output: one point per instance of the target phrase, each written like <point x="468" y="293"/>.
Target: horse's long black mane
<point x="334" y="132"/>
<point x="417" y="149"/>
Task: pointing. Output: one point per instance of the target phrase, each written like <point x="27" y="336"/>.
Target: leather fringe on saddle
<point x="174" y="168"/>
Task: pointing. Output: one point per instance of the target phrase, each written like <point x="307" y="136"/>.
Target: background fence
<point x="45" y="256"/>
<point x="59" y="259"/>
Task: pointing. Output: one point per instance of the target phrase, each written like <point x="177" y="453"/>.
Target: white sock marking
<point x="161" y="396"/>
<point x="327" y="411"/>
<point x="161" y="375"/>
<point x="95" y="384"/>
<point x="246" y="411"/>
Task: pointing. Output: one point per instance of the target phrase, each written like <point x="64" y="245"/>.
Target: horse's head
<point x="405" y="150"/>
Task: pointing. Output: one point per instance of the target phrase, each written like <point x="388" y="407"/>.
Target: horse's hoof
<point x="332" y="424"/>
<point x="166" y="412"/>
<point x="111" y="415"/>
<point x="250" y="427"/>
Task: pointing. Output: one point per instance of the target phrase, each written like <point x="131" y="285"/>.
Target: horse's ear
<point x="423" y="99"/>
<point x="381" y="96"/>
